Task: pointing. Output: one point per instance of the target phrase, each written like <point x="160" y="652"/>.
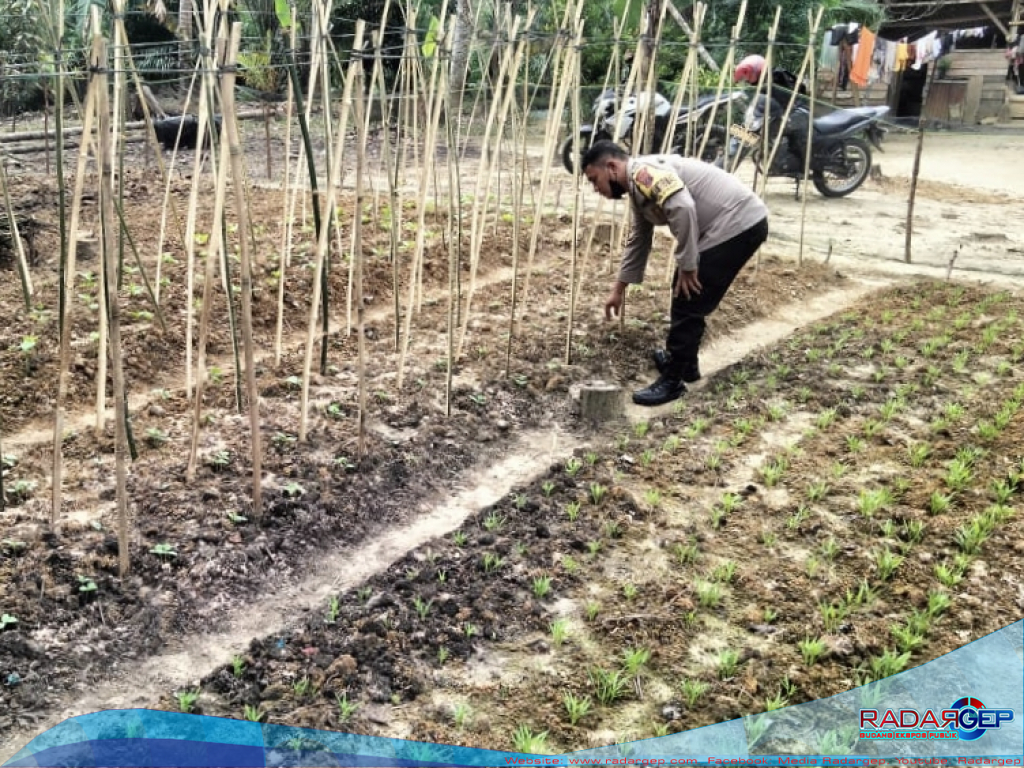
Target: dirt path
<point x="191" y="657"/>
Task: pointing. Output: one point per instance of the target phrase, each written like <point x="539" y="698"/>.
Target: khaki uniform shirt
<point x="703" y="206"/>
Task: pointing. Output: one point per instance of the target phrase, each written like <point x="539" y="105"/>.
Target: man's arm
<point x="637" y="250"/>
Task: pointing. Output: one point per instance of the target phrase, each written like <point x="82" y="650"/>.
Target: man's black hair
<point x="600" y="150"/>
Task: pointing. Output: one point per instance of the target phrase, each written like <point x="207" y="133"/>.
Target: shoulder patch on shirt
<point x="657" y="184"/>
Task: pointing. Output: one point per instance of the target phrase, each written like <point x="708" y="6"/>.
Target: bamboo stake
<point x="356" y="75"/>
<point x="766" y="76"/>
<point x="27" y="289"/>
<point x="730" y="57"/>
<point x="550" y="142"/>
<point x="813" y="25"/>
<point x="454" y="246"/>
<point x="228" y="69"/>
<point x="517" y="210"/>
<point x="921" y="123"/>
<point x="646" y="136"/>
<point x="69" y="287"/>
<point x="325" y="282"/>
<point x="426" y="169"/>
<point x="205" y="99"/>
<point x="112" y="303"/>
<point x="511" y="57"/>
<point x="789" y="108"/>
<point x="577" y="202"/>
<point x="284" y="258"/>
<point x="334" y="170"/>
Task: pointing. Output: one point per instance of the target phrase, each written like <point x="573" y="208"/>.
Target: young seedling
<point x="597" y="493"/>
<point x="422" y="607"/>
<point x="629" y="591"/>
<point x="686" y="554"/>
<point x="709" y="594"/>
<point x="832" y="615"/>
<point x="948" y="577"/>
<point x="724" y="572"/>
<point x="303" y="687"/>
<point x="652" y="498"/>
<point x="251" y="713"/>
<point x="548" y="488"/>
<point x="442" y="655"/>
<point x="769" y="615"/>
<point x="527" y="742"/>
<point x="461" y="714"/>
<point x="572" y="511"/>
<point x="727" y="662"/>
<point x="559" y="629"/>
<point x="346" y="708"/>
<point x="939" y="503"/>
<point x="592" y="609"/>
<point x="187" y="700"/>
<point x="886" y="562"/>
<point x="811" y="650"/>
<point x="541" y="587"/>
<point x="888" y="664"/>
<point x="164" y="550"/>
<point x="577" y="707"/>
<point x="609" y="685"/>
<point x="938" y="603"/>
<point x="492" y="562"/>
<point x="692" y="690"/>
<point x="573" y="466"/>
<point x="817" y="491"/>
<point x="634" y="660"/>
<point x="593" y="547"/>
<point x="494" y="522"/>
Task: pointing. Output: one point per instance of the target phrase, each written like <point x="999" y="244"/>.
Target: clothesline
<point x="858" y="55"/>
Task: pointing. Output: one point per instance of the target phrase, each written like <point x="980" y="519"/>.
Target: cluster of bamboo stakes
<point x="424" y="104"/>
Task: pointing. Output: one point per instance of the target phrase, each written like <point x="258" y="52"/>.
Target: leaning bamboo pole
<point x="205" y="31"/>
<point x="356" y="77"/>
<point x="812" y="24"/>
<point x="519" y="163"/>
<point x="577" y="199"/>
<point x="284" y="255"/>
<point x="323" y="240"/>
<point x="27" y="289"/>
<point x="793" y="98"/>
<point x="112" y="304"/>
<point x="723" y="73"/>
<point x="562" y="78"/>
<point x="645" y="128"/>
<point x="454" y="250"/>
<point x="67" y="305"/>
<point x="426" y="171"/>
<point x="227" y="95"/>
<point x="498" y="113"/>
<point x="766" y="76"/>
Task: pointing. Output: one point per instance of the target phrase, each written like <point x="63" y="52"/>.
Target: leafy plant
<point x="811" y="650"/>
<point x="692" y="690"/>
<point x="164" y="550"/>
<point x="541" y="586"/>
<point x="609" y="685"/>
<point x="187" y="700"/>
<point x="528" y="742"/>
<point x="577" y="707"/>
<point x="559" y="629"/>
<point x="727" y="662"/>
<point x="346" y="708"/>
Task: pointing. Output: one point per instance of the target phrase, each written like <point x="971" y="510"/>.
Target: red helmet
<point x="749" y="69"/>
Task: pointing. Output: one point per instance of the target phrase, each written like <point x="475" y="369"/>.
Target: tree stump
<point x="600" y="401"/>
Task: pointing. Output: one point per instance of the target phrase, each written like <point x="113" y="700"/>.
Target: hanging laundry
<point x="902" y="55"/>
<point x="837" y="34"/>
<point x="892" y="50"/>
<point x="925" y="49"/>
<point x="877" y="71"/>
<point x="845" y="65"/>
<point x="862" y="61"/>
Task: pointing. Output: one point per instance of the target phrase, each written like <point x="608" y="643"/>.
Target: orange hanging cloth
<point x="862" y="62"/>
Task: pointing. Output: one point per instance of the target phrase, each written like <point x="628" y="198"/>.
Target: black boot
<point x="664" y="390"/>
<point x="689" y="373"/>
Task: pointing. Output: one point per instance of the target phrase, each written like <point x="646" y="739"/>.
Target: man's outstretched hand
<point x="688" y="284"/>
<point x="613" y="306"/>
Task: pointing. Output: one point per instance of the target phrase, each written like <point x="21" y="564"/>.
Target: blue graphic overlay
<point x="965" y="708"/>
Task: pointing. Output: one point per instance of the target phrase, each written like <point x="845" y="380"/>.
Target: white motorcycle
<point x="606" y="116"/>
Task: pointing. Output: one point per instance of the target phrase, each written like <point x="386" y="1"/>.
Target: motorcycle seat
<point x="702" y="101"/>
<point x="841" y="119"/>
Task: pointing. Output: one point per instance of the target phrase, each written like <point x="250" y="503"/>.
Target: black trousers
<point x="718" y="268"/>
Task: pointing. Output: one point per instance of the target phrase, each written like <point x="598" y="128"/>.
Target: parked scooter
<point x="606" y="116"/>
<point x="840" y="157"/>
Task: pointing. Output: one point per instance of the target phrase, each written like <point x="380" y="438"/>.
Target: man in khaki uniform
<point x="718" y="225"/>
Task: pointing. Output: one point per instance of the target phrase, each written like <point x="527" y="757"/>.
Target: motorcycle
<point x="840" y="157"/>
<point x="606" y="116"/>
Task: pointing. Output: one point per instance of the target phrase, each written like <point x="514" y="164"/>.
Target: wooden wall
<point x="985" y="75"/>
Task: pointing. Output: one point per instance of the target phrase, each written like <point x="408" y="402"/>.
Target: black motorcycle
<point x="607" y="116"/>
<point x="840" y="156"/>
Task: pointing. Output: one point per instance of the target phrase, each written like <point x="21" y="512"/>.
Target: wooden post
<point x="227" y="95"/>
<point x="814" y="25"/>
<point x="921" y="123"/>
<point x="112" y="304"/>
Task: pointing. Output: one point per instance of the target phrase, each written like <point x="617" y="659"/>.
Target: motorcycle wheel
<point x="718" y="141"/>
<point x="570" y="146"/>
<point x="854" y="155"/>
